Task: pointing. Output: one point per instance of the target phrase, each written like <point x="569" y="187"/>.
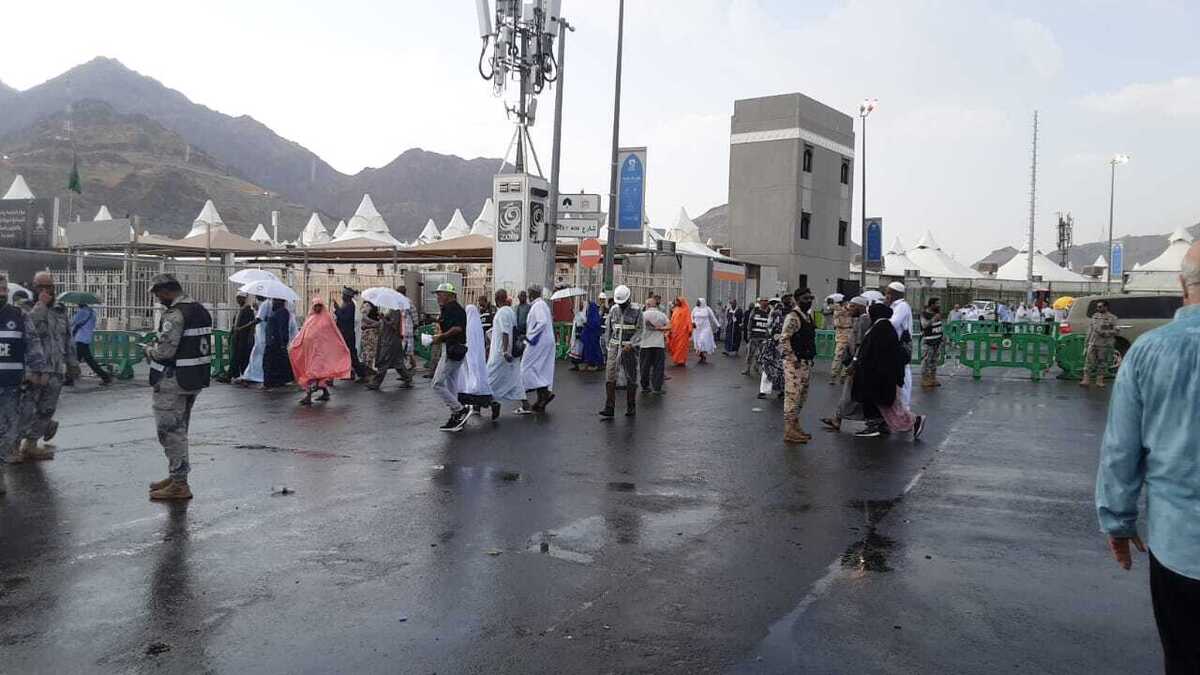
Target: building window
<point x="845" y="171"/>
<point x="803" y="282"/>
<point x="843" y="230"/>
<point x="808" y="158"/>
<point x="805" y="222"/>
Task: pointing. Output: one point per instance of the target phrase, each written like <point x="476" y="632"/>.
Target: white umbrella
<point x="249" y="275"/>
<point x="13" y="288"/>
<point x="567" y="293"/>
<point x="270" y="288"/>
<point x="873" y="296"/>
<point x="386" y="298"/>
<point x="836" y="297"/>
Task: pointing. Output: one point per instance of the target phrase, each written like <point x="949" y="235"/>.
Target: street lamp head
<point x="867" y="106"/>
<point x="1119" y="158"/>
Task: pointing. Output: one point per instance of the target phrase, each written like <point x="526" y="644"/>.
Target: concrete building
<point x="791" y="182"/>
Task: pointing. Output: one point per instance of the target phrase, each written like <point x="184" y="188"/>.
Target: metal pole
<point x="556" y="153"/>
<point x="862" y="277"/>
<point x="1032" y="211"/>
<point x="521" y="114"/>
<point x="1112" y="188"/>
<point x="612" y="178"/>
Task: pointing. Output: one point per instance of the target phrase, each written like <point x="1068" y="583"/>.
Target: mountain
<point x="132" y="164"/>
<point x="1139" y="249"/>
<point x="714" y="224"/>
<point x="414" y="187"/>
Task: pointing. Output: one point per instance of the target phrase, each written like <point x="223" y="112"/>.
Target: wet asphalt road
<point x="687" y="540"/>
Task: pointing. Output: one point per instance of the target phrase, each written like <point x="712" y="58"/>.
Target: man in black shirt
<point x="757" y="332"/>
<point x="453" y="337"/>
<point x="344" y="314"/>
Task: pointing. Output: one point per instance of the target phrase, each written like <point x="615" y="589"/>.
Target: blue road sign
<point x="874" y="247"/>
<point x="1116" y="259"/>
<point x="631" y="193"/>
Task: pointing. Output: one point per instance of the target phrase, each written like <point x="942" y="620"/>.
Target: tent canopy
<point x="19" y="189"/>
<point x="457" y="227"/>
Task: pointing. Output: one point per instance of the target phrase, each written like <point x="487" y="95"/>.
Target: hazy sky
<point x="359" y="81"/>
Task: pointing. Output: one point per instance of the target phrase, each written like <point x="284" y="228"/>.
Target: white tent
<point x="896" y="263"/>
<point x="19" y="189"/>
<point x="314" y="232"/>
<point x="1100" y="262"/>
<point x="340" y="229"/>
<point x="1017" y="269"/>
<point x="368" y="224"/>
<point x="683" y="230"/>
<point x="934" y="262"/>
<point x="208" y="221"/>
<point x="1162" y="273"/>
<point x="103" y="214"/>
<point x="429" y="234"/>
<point x="485" y="224"/>
<point x="260" y="235"/>
<point x="457" y="227"/>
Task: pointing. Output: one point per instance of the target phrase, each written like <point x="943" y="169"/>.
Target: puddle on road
<point x="312" y="454"/>
<point x="871" y="553"/>
<point x="452" y="474"/>
<point x="622" y="487"/>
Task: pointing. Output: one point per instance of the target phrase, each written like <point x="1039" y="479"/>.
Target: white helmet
<point x="621" y="294"/>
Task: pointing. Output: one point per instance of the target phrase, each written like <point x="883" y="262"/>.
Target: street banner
<point x="873" y="248"/>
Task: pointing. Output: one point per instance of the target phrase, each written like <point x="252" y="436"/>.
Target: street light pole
<point x="1112" y="188"/>
<point x="612" y="178"/>
<point x="864" y="109"/>
<point x="552" y="229"/>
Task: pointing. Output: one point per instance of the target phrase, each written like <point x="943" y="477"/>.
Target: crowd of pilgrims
<point x="479" y="353"/>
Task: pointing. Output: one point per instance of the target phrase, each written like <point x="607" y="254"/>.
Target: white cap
<point x="896" y="286"/>
<point x="603" y="295"/>
<point x="860" y="300"/>
<point x="621" y="294"/>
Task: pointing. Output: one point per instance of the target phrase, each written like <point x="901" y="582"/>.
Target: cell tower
<point x="522" y="50"/>
<point x="1066" y="236"/>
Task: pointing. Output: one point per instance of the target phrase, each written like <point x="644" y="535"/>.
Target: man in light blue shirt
<point x="1153" y="440"/>
<point x="83" y="325"/>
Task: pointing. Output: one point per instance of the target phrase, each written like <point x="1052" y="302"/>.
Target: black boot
<point x="631" y="401"/>
<point x="610" y="396"/>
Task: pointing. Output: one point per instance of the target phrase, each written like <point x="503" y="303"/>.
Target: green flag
<point x="73" y="183"/>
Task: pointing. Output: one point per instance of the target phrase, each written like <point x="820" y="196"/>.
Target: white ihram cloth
<point x="704" y="320"/>
<point x="902" y="320"/>
<point x="473" y="376"/>
<point x="254" y="370"/>
<point x="537" y="364"/>
<point x="503" y="375"/>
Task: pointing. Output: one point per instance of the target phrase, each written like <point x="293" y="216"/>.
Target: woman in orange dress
<point x="680" y="337"/>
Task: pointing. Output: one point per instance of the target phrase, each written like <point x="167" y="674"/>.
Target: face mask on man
<point x="804" y="304"/>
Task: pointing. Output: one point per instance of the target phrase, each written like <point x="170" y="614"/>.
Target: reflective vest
<point x="623" y="332"/>
<point x="12" y="347"/>
<point x="193" y="357"/>
<point x="760" y="324"/>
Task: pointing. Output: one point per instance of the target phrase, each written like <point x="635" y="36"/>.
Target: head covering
<point x="860" y="300"/>
<point x="318" y="352"/>
<point x="896" y="286"/>
<point x="699" y="302"/>
<point x="836" y="297"/>
<point x="475" y="381"/>
<point x="165" y="279"/>
<point x="879" y="311"/>
<point x="347" y="290"/>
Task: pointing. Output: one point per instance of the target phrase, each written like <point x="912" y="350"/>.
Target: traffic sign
<point x="590" y="253"/>
<point x="579" y="228"/>
<point x="580" y="203"/>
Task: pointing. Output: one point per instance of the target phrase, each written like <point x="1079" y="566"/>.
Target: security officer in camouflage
<point x="21" y="365"/>
<point x="52" y="328"/>
<point x="179" y="369"/>
<point x="1101" y="337"/>
<point x="798" y="346"/>
<point x="623" y="337"/>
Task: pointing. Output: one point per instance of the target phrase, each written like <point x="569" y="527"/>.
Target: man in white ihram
<point x="537" y="364"/>
<point x="902" y="321"/>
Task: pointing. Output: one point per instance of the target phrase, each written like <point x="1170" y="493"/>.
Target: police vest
<point x="12" y="347"/>
<point x="622" y="332"/>
<point x="760" y="324"/>
<point x="934" y="332"/>
<point x="194" y="354"/>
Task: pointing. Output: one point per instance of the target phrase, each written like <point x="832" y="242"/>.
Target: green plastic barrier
<point x="418" y="346"/>
<point x="221" y="352"/>
<point x="1071" y="355"/>
<point x="118" y="351"/>
<point x="826" y="340"/>
<point x="562" y="339"/>
<point x="1029" y="351"/>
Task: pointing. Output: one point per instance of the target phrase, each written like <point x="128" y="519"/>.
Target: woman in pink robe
<point x="318" y="354"/>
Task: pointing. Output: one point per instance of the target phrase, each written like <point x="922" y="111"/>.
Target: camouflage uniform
<point x="12" y="395"/>
<point x="842" y="323"/>
<point x="797" y="371"/>
<point x="171" y="403"/>
<point x="53" y="330"/>
<point x="1102" y="332"/>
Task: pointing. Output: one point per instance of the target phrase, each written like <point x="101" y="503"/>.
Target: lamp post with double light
<point x="864" y="109"/>
<point x="1116" y="160"/>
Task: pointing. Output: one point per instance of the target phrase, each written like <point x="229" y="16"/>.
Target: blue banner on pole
<point x="873" y="250"/>
<point x="1116" y="259"/>
<point x="631" y="191"/>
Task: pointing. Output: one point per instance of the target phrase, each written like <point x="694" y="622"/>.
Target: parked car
<point x="1136" y="314"/>
<point x="986" y="309"/>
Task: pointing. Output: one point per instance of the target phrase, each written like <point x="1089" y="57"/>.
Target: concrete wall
<point x="768" y="190"/>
